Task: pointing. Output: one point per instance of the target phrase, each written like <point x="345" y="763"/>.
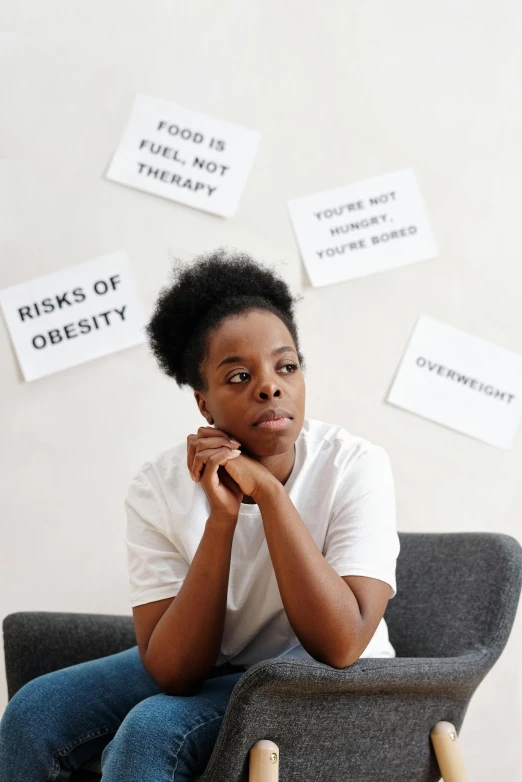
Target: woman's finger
<point x="196" y="443"/>
<point x="206" y="444"/>
<point x="206" y="431"/>
<point x="216" y="456"/>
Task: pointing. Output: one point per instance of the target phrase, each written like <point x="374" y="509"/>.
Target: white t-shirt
<point x="342" y="487"/>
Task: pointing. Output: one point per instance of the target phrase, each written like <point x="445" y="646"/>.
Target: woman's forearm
<point x="185" y="643"/>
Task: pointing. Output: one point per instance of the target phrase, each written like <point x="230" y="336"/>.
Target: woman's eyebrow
<point x="233" y="359"/>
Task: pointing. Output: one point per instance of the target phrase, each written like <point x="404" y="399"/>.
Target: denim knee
<point x="28" y="735"/>
<point x="150" y="725"/>
<point x="145" y="734"/>
<point x="29" y="713"/>
<point x="166" y="735"/>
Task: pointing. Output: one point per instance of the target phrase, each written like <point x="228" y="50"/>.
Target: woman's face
<point x="253" y="367"/>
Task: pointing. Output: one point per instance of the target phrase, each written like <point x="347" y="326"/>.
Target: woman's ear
<point x="202" y="405"/>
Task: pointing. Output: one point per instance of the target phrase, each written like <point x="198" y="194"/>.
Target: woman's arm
<point x="180" y="647"/>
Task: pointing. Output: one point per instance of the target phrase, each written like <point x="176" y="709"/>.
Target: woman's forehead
<point x="249" y="337"/>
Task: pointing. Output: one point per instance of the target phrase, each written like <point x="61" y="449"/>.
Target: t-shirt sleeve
<point x="362" y="538"/>
<point x="155" y="566"/>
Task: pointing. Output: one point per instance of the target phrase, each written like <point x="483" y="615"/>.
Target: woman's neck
<point x="281" y="468"/>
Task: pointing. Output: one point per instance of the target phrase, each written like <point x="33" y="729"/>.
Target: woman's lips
<point x="275" y="423"/>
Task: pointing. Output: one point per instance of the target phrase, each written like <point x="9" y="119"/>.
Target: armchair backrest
<point x="457" y="592"/>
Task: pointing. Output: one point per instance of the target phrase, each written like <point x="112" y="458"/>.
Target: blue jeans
<point x="111" y="707"/>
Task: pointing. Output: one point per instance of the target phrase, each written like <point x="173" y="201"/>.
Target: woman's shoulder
<point x="337" y="439"/>
<point x="164" y="469"/>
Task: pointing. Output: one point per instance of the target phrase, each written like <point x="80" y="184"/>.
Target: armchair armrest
<point x="37" y="642"/>
<point x="372" y="719"/>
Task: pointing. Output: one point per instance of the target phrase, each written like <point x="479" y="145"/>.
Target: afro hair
<point x="217" y="284"/>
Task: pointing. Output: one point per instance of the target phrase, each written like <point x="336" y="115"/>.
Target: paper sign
<point x="185" y="156"/>
<point x="461" y="381"/>
<point x="72" y="316"/>
<point x="369" y="226"/>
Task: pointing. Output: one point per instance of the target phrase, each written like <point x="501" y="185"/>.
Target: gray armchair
<point x="379" y="720"/>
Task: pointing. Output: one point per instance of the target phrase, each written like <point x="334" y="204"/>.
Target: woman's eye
<point x="293" y="366"/>
<point x="239" y="373"/>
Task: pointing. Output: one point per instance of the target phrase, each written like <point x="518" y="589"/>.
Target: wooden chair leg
<point x="447" y="750"/>
<point x="264" y="762"/>
<point x="264" y="756"/>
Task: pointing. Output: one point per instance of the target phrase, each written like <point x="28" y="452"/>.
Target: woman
<point x="265" y="534"/>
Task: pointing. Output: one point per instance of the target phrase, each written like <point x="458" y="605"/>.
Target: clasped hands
<point x="226" y="474"/>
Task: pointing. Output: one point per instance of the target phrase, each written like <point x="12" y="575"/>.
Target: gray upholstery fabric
<point x="457" y="595"/>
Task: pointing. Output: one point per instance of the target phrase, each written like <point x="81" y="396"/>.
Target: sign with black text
<point x="362" y="228"/>
<point x="461" y="381"/>
<point x="72" y="316"/>
<point x="184" y="156"/>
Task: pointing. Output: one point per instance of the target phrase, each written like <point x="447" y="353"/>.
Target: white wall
<point x="340" y="91"/>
